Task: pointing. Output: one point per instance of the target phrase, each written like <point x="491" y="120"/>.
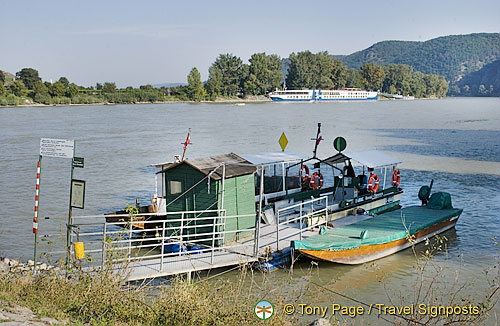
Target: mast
<point x="186" y="143"/>
<point x="317" y="140"/>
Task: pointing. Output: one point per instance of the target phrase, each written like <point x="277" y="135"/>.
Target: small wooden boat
<point x="382" y="235"/>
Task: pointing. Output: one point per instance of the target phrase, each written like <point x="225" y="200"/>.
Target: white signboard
<point x="77" y="193"/>
<point x="57" y="147"/>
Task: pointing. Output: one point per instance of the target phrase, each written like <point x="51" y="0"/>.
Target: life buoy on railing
<point x="313" y="180"/>
<point x="396" y="178"/>
<point x="304" y="177"/>
<point x="373" y="183"/>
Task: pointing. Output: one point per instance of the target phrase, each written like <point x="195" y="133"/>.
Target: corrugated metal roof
<point x="274" y="157"/>
<point x="235" y="165"/>
<point x="371" y="159"/>
<point x="335" y="159"/>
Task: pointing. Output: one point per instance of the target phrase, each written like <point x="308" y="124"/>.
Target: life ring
<point x="313" y="180"/>
<point x="396" y="178"/>
<point x="373" y="183"/>
<point x="304" y="177"/>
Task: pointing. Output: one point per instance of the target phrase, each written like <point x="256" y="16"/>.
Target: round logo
<point x="264" y="310"/>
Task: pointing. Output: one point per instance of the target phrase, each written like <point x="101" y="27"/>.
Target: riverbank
<point x="102" y="298"/>
<point x="220" y="100"/>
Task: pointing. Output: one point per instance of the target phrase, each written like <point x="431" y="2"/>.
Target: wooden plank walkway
<point x="239" y="254"/>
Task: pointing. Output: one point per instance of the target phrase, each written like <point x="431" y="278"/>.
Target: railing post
<point x="103" y="258"/>
<point x="278" y="230"/>
<point x="213" y="238"/>
<point x="326" y="207"/>
<point x="130" y="239"/>
<point x="180" y="238"/>
<point x="162" y="245"/>
<point x="300" y="227"/>
<point x="259" y="214"/>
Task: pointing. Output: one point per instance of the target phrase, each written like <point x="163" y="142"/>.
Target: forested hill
<point x="485" y="82"/>
<point x="452" y="56"/>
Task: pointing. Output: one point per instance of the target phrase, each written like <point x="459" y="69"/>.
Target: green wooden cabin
<point x="196" y="185"/>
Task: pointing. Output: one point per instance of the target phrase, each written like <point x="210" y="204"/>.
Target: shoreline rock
<point x="8" y="265"/>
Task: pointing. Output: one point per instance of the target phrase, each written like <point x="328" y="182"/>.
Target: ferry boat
<point x="385" y="234"/>
<point x="312" y="95"/>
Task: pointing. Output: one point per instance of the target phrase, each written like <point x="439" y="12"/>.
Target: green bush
<point x="11" y="100"/>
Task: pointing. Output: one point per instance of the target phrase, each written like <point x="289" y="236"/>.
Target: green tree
<point x="57" y="89"/>
<point x="227" y="75"/>
<point x="399" y="76"/>
<point x="315" y="71"/>
<point x="3" y="91"/>
<point x="353" y="79"/>
<point x="64" y="81"/>
<point x="264" y="74"/>
<point x="109" y="87"/>
<point x="28" y="76"/>
<point x="72" y="90"/>
<point x="418" y="86"/>
<point x="214" y="82"/>
<point x="373" y="76"/>
<point x="18" y="88"/>
<point x="2" y="78"/>
<point x="98" y="86"/>
<point x="195" y="89"/>
<point x="40" y="93"/>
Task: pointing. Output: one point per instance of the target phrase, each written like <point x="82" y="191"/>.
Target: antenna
<point x="317" y="140"/>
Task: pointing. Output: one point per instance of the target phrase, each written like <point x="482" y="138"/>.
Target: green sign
<point x="78" y="162"/>
<point x="339" y="143"/>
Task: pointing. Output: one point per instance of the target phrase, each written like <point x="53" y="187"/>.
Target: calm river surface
<point x="456" y="142"/>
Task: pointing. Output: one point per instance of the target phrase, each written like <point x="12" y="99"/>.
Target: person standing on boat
<point x="349" y="170"/>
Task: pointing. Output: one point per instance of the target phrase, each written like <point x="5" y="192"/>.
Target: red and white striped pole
<point x="35" y="219"/>
<point x="37" y="192"/>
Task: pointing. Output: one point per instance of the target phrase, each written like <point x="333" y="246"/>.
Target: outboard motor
<point x="425" y="193"/>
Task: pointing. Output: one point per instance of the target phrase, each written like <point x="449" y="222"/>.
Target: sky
<point x="135" y="43"/>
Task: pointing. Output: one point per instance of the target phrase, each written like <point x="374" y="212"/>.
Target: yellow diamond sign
<point x="283" y="141"/>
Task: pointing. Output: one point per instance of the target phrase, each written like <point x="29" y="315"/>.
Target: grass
<point x="102" y="299"/>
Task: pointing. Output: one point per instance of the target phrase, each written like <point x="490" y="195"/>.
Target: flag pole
<point x="186" y="143"/>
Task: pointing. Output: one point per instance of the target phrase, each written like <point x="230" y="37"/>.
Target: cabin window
<point x="174" y="187"/>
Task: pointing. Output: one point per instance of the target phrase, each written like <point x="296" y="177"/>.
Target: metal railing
<point x="185" y="233"/>
<point x="307" y="212"/>
<point x="180" y="236"/>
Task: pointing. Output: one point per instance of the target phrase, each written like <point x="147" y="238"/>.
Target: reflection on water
<point x="479" y="145"/>
<point x="120" y="142"/>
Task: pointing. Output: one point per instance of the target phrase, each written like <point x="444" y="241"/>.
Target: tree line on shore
<point x="230" y="77"/>
<point x="27" y="87"/>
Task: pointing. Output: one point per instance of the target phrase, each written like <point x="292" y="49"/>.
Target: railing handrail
<point x="145" y="214"/>
<point x="311" y="201"/>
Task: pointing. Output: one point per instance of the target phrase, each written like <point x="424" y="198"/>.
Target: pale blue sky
<point x="140" y="42"/>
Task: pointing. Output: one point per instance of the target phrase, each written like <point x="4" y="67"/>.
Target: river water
<point x="454" y="141"/>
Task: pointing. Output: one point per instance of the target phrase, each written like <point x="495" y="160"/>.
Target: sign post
<point x="70" y="213"/>
<point x="59" y="148"/>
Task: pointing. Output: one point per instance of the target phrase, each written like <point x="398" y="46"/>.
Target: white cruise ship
<point x="311" y="95"/>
